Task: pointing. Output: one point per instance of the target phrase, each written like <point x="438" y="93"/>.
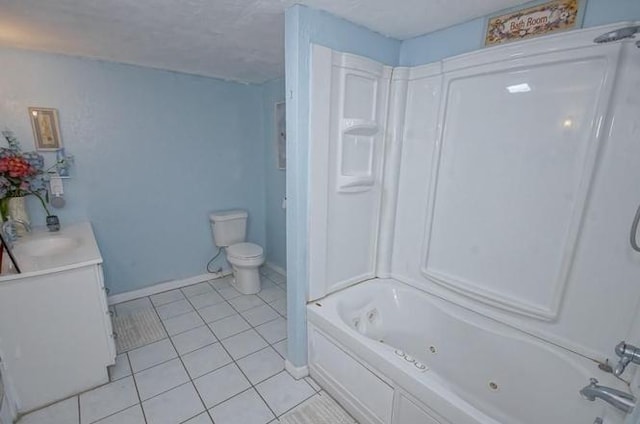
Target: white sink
<point x="47" y="246"/>
<point x="41" y="251"/>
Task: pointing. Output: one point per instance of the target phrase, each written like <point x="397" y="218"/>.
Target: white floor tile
<point x="273" y="331"/>
<point x="245" y="302"/>
<point x="269" y="294"/>
<point x="311" y="382"/>
<point x="197" y="289"/>
<point x="221" y="384"/>
<point x="107" y="400"/>
<point x="151" y="354"/>
<point x="265" y="283"/>
<point x="206" y="299"/>
<point x="221" y="283"/>
<point x="277" y="278"/>
<point x="267" y="271"/>
<point x="127" y="308"/>
<point x="229" y="292"/>
<point x="131" y="415"/>
<point x="200" y="419"/>
<point x="121" y="368"/>
<point x="205" y="360"/>
<point x="158" y="379"/>
<point x="215" y="312"/>
<point x="261" y="365"/>
<point x="244" y="344"/>
<point x="281" y="348"/>
<point x="245" y="408"/>
<point x="193" y="339"/>
<point x="182" y="323"/>
<point x="229" y="326"/>
<point x="260" y="315"/>
<point x="166" y="297"/>
<point x="174" y="309"/>
<point x="280" y="305"/>
<point x="174" y="406"/>
<point x="63" y="412"/>
<point x="282" y="392"/>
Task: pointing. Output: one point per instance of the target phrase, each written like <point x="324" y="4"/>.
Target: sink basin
<point x="47" y="246"/>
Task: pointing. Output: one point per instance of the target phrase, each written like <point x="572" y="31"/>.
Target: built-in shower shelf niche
<point x="360" y="127"/>
<point x="356" y="161"/>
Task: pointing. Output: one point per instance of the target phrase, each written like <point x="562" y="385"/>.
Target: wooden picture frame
<point x="46" y="128"/>
<point x="535" y="20"/>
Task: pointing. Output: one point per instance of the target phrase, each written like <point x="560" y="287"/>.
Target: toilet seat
<point x="244" y="251"/>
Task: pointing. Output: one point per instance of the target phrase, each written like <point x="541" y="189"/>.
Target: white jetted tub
<point x="393" y="354"/>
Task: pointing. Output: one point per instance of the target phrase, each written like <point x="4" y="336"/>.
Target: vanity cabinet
<point x="55" y="329"/>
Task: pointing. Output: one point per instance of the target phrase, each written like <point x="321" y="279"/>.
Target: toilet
<point x="229" y="232"/>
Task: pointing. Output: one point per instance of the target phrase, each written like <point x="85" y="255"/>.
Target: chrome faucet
<point x="619" y="399"/>
<point x="9" y="229"/>
<point x="628" y="354"/>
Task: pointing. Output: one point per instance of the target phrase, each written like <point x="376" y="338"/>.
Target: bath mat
<point x="320" y="409"/>
<point x="137" y="329"/>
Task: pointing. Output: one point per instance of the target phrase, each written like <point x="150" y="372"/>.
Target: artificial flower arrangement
<point x="21" y="174"/>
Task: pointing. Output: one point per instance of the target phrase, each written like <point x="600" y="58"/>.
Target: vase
<point x="17" y="209"/>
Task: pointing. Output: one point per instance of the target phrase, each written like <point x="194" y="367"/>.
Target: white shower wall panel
<point x="349" y="116"/>
<point x="516" y="188"/>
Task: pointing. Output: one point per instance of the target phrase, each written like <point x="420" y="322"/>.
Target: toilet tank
<point x="229" y="227"/>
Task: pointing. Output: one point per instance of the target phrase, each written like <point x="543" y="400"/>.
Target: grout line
<point x="135" y="383"/>
<point x="187" y="372"/>
<point x="79" y="414"/>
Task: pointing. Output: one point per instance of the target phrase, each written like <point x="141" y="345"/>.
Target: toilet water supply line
<point x="211" y="261"/>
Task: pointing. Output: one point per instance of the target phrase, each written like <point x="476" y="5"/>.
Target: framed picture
<point x="281" y="133"/>
<point x="46" y="129"/>
<point x="541" y="19"/>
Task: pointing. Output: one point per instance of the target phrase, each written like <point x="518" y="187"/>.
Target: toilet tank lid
<point x="227" y="215"/>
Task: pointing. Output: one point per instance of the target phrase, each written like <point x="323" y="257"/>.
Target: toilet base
<point x="246" y="280"/>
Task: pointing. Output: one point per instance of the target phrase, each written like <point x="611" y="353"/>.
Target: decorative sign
<point x="546" y="18"/>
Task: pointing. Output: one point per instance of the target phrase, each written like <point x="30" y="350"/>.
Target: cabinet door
<point x="407" y="412"/>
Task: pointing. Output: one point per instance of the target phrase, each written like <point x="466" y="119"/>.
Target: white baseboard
<point x="167" y="285"/>
<point x="296" y="372"/>
<point x="276" y="268"/>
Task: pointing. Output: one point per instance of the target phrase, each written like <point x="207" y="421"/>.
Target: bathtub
<point x="390" y="353"/>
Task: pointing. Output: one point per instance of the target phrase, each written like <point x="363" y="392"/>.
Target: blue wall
<point x="304" y="26"/>
<point x="469" y="36"/>
<point x="155" y="152"/>
<point x="275" y="179"/>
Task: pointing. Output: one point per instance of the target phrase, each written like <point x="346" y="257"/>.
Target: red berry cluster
<point x="16" y="167"/>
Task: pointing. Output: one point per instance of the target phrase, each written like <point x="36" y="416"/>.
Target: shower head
<point x="618" y="34"/>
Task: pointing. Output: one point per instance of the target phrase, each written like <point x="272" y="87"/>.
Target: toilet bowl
<point x="245" y="258"/>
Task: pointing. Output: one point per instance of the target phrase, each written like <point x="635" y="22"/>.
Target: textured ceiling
<point x="238" y="40"/>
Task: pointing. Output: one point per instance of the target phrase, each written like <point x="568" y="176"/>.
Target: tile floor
<point x="222" y="363"/>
